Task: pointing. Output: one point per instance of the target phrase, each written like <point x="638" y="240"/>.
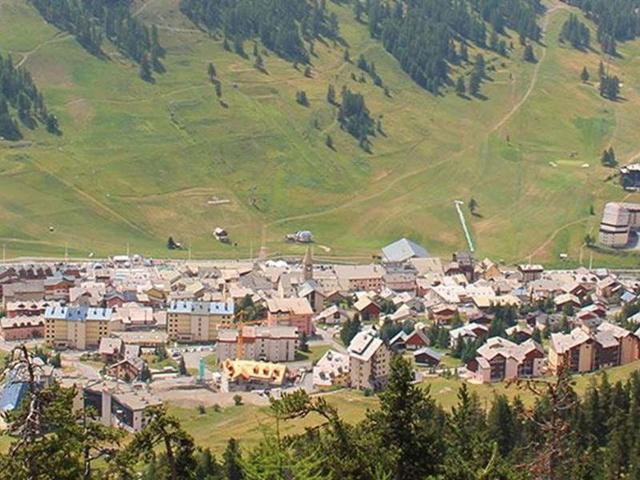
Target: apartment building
<point x="267" y="344"/>
<point x="360" y="277"/>
<point x="500" y="359"/>
<point x="369" y="362"/>
<point x="23" y="327"/>
<point x="618" y="221"/>
<point x="79" y="328"/>
<point x="119" y="404"/>
<point x="589" y="348"/>
<point x="290" y="312"/>
<point x="193" y="321"/>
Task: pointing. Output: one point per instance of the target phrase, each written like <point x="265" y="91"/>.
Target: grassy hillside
<point x="139" y="162"/>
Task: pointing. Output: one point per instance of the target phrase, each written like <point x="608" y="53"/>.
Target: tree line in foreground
<point x="409" y="436"/>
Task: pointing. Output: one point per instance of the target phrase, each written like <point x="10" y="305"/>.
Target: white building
<point x="618" y="221"/>
<point x="369" y="362"/>
<point x="332" y="369"/>
<point x="269" y="344"/>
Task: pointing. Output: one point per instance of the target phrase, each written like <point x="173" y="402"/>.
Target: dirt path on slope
<point x="536" y="71"/>
<point x="405" y="176"/>
<point x="58" y="37"/>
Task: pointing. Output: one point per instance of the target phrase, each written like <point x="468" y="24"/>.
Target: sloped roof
<point x="363" y="346"/>
<point x="296" y="306"/>
<point x="402" y="250"/>
<point x="561" y="342"/>
<point x="250" y="370"/>
<point x="428" y="351"/>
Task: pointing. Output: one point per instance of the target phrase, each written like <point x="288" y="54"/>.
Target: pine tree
<point x="145" y="70"/>
<point x="207" y="468"/>
<point x="211" y="70"/>
<point x="329" y="142"/>
<point x="162" y="433"/>
<point x="24" y="109"/>
<point x="469" y="450"/>
<point x="8" y="128"/>
<point x="358" y="10"/>
<point x="409" y="425"/>
<point x="182" y="367"/>
<point x="576" y="33"/>
<point x="276" y="460"/>
<point x="259" y="63"/>
<point x="584" y="76"/>
<point x="612" y="157"/>
<point x="608" y="158"/>
<point x="238" y="47"/>
<point x="350" y="329"/>
<point x="502" y="425"/>
<point x="232" y="461"/>
<point x="301" y="98"/>
<point x="529" y="55"/>
<point x="52" y="124"/>
<point x="331" y="95"/>
<point x="461" y="89"/>
<point x="362" y="63"/>
<point x="474" y="83"/>
<point x="145" y="373"/>
<point x="464" y="52"/>
<point x="479" y="66"/>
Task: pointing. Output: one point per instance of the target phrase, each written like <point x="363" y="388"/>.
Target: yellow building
<point x="190" y="321"/>
<point x="246" y="375"/>
<point x="79" y="328"/>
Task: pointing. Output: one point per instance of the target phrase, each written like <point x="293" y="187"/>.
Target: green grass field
<point x="248" y="422"/>
<point x="139" y="162"/>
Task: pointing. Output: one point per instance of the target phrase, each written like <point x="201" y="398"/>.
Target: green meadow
<point x="140" y="162"/>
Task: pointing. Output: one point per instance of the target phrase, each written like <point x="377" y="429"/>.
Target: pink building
<point x="291" y="312"/>
<point x="21" y="327"/>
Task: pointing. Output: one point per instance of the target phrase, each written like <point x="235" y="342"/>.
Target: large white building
<point x="619" y="220"/>
<point x="369" y="362"/>
<point x="268" y="344"/>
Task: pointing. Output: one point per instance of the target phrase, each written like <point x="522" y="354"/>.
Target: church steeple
<point x="307" y="263"/>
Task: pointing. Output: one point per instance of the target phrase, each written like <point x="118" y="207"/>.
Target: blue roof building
<point x="202" y="308"/>
<point x="79" y="314"/>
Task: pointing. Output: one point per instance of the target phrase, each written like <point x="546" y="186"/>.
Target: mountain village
<point x="132" y="333"/>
